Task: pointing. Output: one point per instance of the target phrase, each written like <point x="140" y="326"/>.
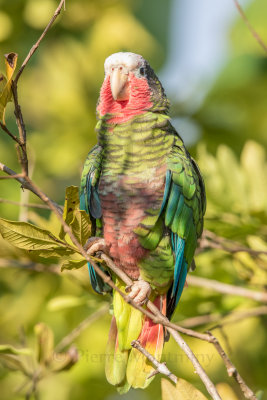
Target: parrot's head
<point x="130" y="88"/>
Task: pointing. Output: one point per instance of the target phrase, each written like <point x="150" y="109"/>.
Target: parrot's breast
<point x="124" y="202"/>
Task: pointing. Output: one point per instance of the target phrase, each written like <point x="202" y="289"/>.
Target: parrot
<point x="145" y="196"/>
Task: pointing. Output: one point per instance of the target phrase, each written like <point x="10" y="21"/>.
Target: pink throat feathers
<point x="122" y="111"/>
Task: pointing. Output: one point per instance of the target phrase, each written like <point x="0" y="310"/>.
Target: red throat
<point x="139" y="100"/>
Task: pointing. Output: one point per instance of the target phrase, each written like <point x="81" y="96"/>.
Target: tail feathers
<point x="152" y="339"/>
<point x="116" y="359"/>
<point x="125" y="366"/>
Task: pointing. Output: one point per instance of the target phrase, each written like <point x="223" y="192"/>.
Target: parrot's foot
<point x="140" y="291"/>
<point x="94" y="245"/>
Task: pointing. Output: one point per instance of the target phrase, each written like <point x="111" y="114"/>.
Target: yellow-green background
<point x="58" y="92"/>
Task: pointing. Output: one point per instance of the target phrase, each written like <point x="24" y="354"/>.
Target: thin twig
<point x="199" y="320"/>
<point x="26" y="184"/>
<point x="161" y="368"/>
<point x="36" y="45"/>
<point x="29" y="205"/>
<point x="226" y="288"/>
<point x="250" y="27"/>
<point x="210" y="240"/>
<point x="22" y="145"/>
<point x="235" y="317"/>
<point x="67" y="340"/>
<point x="225" y="319"/>
<point x="232" y="371"/>
<point x="5" y="129"/>
<point x="15" y="176"/>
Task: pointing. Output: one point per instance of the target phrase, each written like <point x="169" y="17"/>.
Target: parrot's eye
<point x="142" y="71"/>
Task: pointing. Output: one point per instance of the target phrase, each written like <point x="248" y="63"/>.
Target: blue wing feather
<point x="90" y="202"/>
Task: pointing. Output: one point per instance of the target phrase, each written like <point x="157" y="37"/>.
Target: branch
<point x="5" y="129"/>
<point x="250" y="27"/>
<point x="226" y="288"/>
<point x="210" y="240"/>
<point x="26" y="184"/>
<point x="232" y="371"/>
<point x="36" y="45"/>
<point x="161" y="368"/>
<point x="229" y="318"/>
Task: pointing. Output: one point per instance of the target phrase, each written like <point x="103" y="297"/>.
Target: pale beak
<point x="118" y="85"/>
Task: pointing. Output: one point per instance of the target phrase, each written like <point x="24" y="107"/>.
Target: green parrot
<point x="146" y="200"/>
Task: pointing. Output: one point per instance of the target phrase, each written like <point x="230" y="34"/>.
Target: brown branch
<point x="250" y="27"/>
<point x="234" y="317"/>
<point x="26" y="184"/>
<point x="161" y="368"/>
<point x="17" y="203"/>
<point x="232" y="371"/>
<point x="22" y="145"/>
<point x="67" y="340"/>
<point x="226" y="288"/>
<point x="210" y="240"/>
<point x="15" y="176"/>
<point x="225" y="319"/>
<point x="36" y="45"/>
<point x="5" y="129"/>
<point x="192" y="322"/>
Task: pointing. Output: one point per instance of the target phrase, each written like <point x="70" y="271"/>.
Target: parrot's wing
<point x="184" y="206"/>
<point x="89" y="199"/>
<point x="90" y="202"/>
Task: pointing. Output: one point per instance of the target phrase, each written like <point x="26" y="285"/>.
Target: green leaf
<point x="29" y="237"/>
<point x="72" y="203"/>
<point x="73" y="264"/>
<point x="45" y="340"/>
<point x="182" y="391"/>
<point x="81" y="226"/>
<point x="8" y="349"/>
<point x="6" y="93"/>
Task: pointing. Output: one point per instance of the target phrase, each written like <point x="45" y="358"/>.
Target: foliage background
<point x="58" y="93"/>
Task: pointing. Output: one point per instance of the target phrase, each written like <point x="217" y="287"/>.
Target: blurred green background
<point x="215" y="74"/>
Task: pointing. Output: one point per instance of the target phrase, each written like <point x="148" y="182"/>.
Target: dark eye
<point x="142" y="71"/>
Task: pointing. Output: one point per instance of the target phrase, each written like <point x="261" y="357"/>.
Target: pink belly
<point x="124" y="246"/>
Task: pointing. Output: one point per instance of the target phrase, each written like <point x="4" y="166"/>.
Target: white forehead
<point x="128" y="60"/>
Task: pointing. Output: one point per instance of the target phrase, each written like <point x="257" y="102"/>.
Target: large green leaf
<point x="29" y="237"/>
<point x="182" y="391"/>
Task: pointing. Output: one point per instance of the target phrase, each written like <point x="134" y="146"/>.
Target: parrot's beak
<point x="119" y="85"/>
